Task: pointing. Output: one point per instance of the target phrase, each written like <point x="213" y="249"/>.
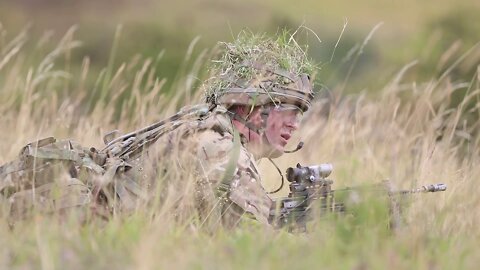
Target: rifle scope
<point x="309" y="173"/>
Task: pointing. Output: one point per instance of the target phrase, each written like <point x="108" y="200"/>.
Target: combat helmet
<point x="257" y="70"/>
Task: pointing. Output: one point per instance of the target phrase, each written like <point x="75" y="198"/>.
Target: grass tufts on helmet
<point x="260" y="65"/>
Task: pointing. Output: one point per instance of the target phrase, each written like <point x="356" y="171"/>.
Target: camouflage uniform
<point x="47" y="178"/>
<point x="226" y="165"/>
<point x="67" y="175"/>
<point x="193" y="163"/>
<point x="227" y="184"/>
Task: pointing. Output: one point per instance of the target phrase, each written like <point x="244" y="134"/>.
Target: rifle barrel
<point x="433" y="188"/>
<point x="424" y="189"/>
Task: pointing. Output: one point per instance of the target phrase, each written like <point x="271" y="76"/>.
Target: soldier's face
<point x="282" y="121"/>
<point x="279" y="126"/>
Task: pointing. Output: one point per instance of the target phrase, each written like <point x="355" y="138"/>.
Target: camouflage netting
<point x="251" y="57"/>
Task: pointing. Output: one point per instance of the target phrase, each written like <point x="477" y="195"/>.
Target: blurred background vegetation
<point x="434" y="32"/>
<point x="69" y="70"/>
<point x="165" y="45"/>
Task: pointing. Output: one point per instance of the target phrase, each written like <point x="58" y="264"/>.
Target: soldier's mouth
<point x="286" y="137"/>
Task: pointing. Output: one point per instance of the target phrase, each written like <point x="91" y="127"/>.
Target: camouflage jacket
<point x="225" y="163"/>
<point x="203" y="161"/>
<point x="204" y="157"/>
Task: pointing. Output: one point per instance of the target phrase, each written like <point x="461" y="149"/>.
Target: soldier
<point x="201" y="162"/>
<point x="256" y="99"/>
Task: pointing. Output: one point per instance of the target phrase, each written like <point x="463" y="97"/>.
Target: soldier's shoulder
<point x="218" y="121"/>
<point x="214" y="145"/>
<point x="216" y="148"/>
<point x="216" y="131"/>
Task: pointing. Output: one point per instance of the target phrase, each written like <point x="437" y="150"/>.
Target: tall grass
<point x="407" y="134"/>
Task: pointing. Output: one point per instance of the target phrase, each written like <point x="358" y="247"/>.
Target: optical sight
<point x="302" y="174"/>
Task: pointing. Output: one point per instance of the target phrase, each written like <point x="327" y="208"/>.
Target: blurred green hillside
<point x="436" y="33"/>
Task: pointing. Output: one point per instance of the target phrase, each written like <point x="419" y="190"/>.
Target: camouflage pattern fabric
<point x="201" y="158"/>
<point x="225" y="164"/>
<point x="194" y="165"/>
<point x="294" y="89"/>
<point x="47" y="178"/>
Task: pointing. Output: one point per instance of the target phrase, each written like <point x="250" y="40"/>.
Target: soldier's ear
<point x="236" y="109"/>
<point x="242" y="110"/>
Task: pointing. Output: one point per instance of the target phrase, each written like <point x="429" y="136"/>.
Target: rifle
<point x="311" y="190"/>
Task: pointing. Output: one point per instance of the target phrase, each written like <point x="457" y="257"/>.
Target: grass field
<point x="409" y="132"/>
